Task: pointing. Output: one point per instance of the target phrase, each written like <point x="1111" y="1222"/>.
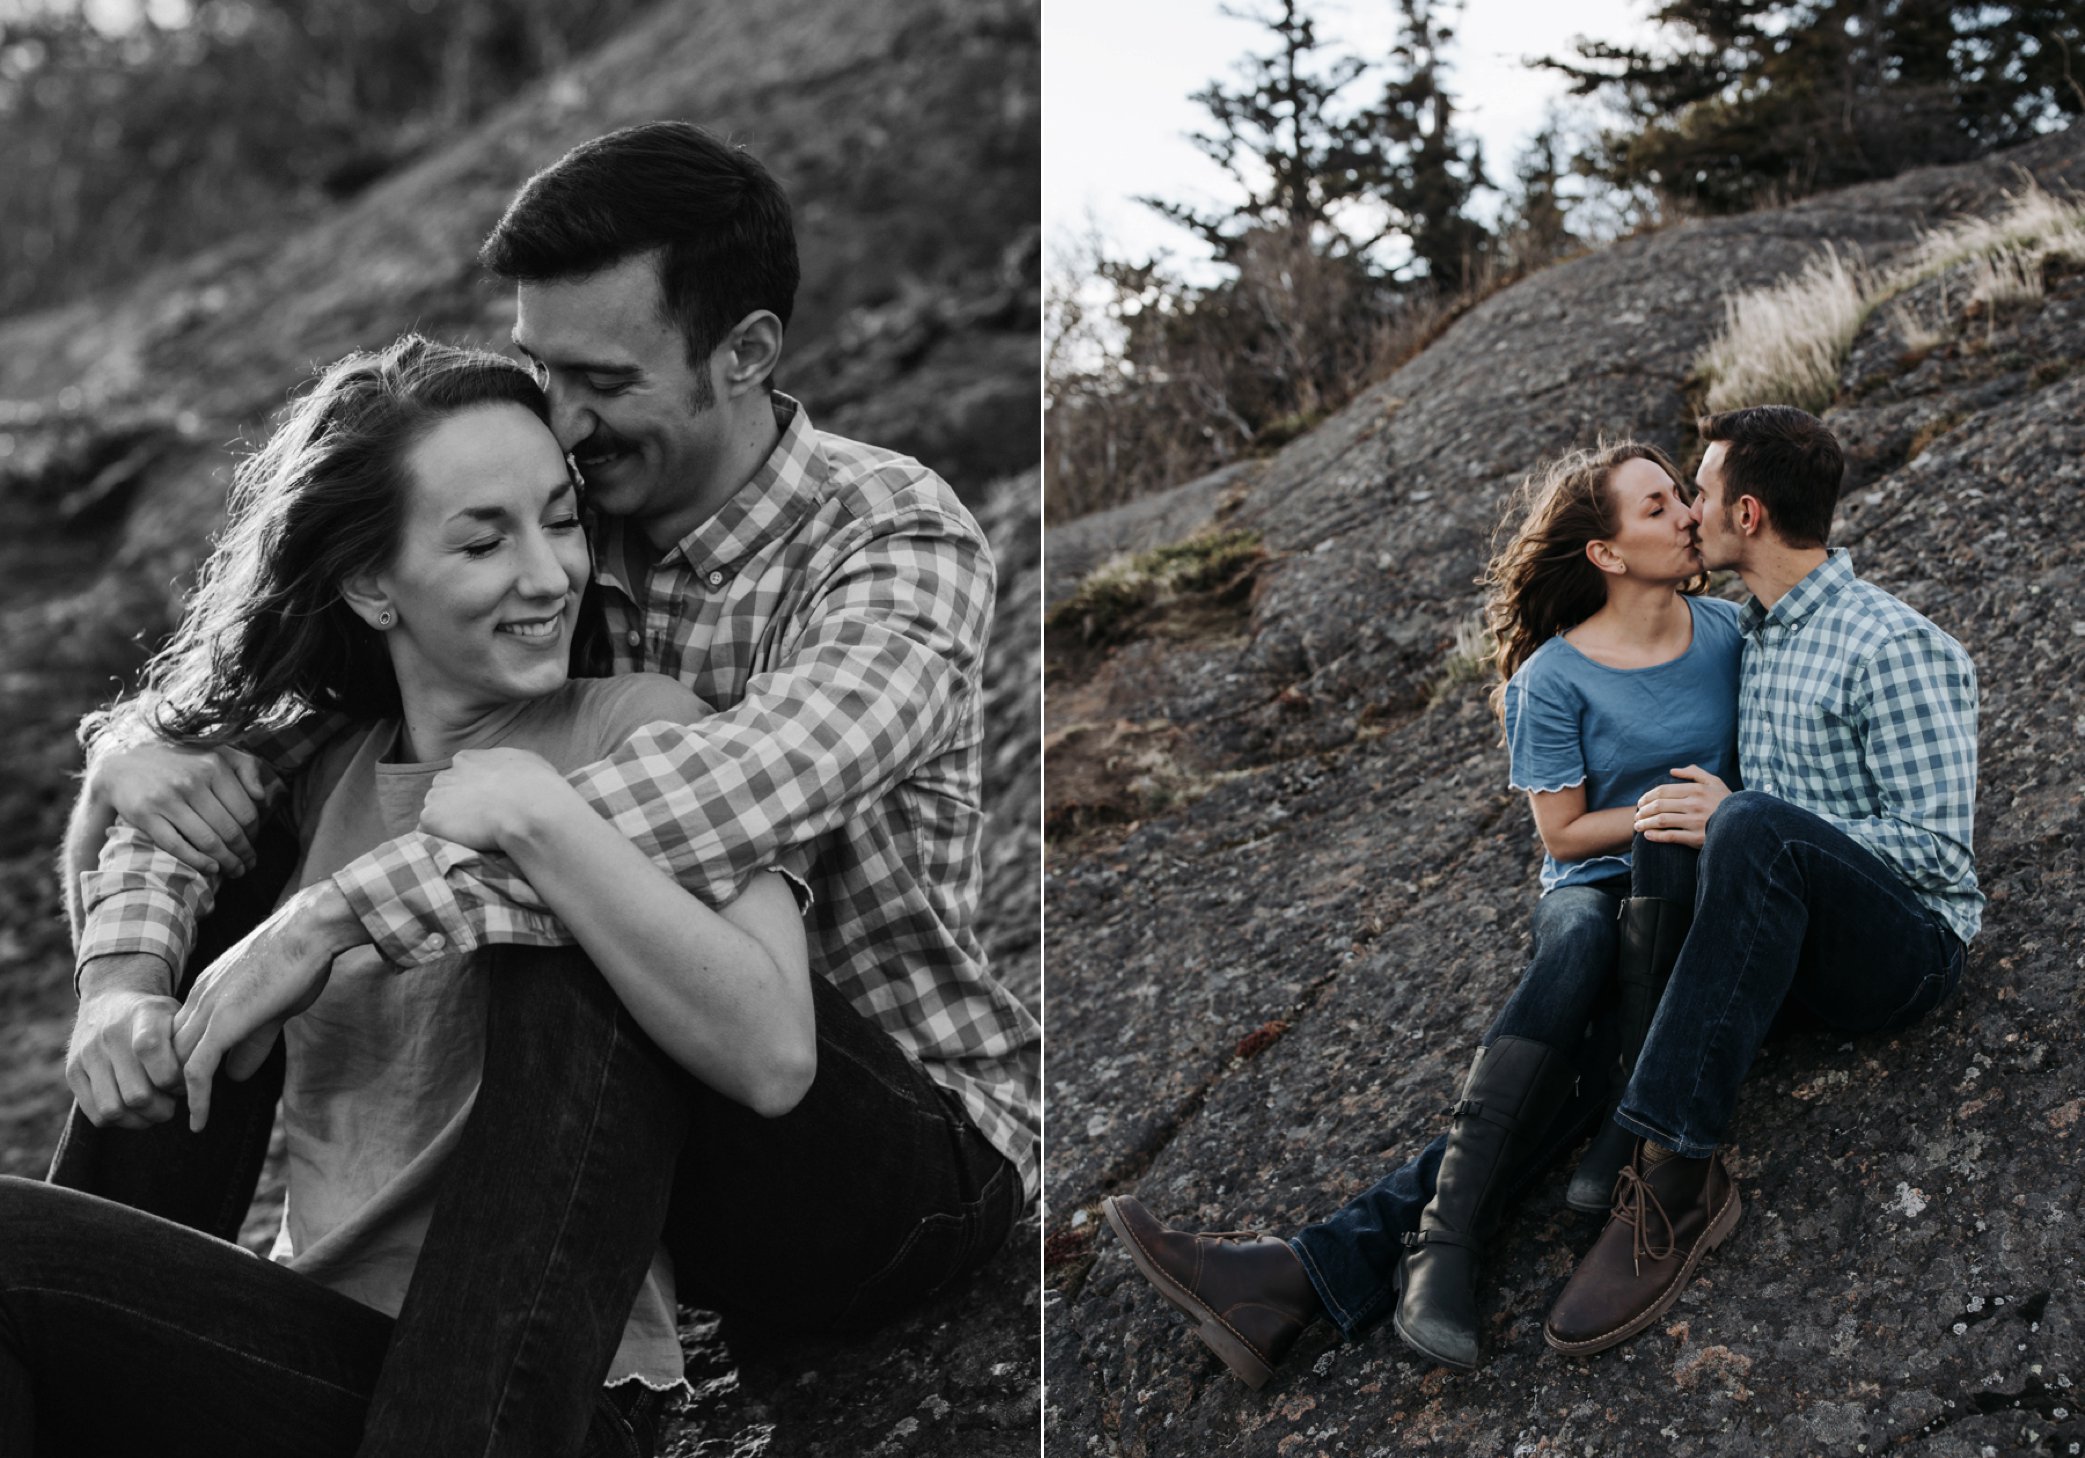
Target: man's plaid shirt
<point x="1857" y="709"/>
<point x="835" y="611"/>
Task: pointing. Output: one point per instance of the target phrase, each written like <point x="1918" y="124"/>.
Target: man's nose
<point x="570" y="421"/>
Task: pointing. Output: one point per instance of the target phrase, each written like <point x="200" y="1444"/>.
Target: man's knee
<point x="1747" y="818"/>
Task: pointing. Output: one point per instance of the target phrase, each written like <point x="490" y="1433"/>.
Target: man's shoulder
<point x="872" y="484"/>
<point x="1880" y="616"/>
<point x="1869" y="620"/>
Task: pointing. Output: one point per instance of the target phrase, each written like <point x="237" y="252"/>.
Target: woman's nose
<point x="542" y="574"/>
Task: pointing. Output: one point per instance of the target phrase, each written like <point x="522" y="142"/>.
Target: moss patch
<point x="1127" y="599"/>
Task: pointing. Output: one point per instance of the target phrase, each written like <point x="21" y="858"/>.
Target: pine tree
<point x="1758" y="99"/>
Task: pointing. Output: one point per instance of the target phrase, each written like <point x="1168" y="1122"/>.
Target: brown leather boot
<point x="1667" y="1215"/>
<point x="1245" y="1291"/>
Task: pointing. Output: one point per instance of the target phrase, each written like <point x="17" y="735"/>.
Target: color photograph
<point x="1562" y="758"/>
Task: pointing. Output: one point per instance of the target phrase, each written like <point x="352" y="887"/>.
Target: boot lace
<point x="1635" y="1202"/>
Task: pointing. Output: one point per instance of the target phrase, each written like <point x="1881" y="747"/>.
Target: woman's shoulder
<point x="612" y="709"/>
<point x="1716" y="623"/>
<point x="1549" y="670"/>
<point x="1715" y="610"/>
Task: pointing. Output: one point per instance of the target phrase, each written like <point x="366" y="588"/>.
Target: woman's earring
<point x="386" y="618"/>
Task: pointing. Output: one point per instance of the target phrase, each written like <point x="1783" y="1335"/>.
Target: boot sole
<point x="1720" y="1226"/>
<point x="1246" y="1364"/>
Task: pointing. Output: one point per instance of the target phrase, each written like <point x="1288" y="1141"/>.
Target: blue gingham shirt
<point x="1856" y="708"/>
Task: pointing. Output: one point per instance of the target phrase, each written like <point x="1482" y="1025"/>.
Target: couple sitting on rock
<point x="731" y="749"/>
<point x="1678" y="913"/>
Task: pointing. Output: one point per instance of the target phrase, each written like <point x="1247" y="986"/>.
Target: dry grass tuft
<point x="1787" y="343"/>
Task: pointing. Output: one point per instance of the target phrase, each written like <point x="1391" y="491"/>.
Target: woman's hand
<point x="242" y="999"/>
<point x="1678" y="814"/>
<point x="198" y="805"/>
<point x="486" y="797"/>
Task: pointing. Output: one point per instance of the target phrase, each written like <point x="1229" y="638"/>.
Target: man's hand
<point x="1678" y="814"/>
<point x="489" y="798"/>
<point x="120" y="1064"/>
<point x="198" y="805"/>
<point x="243" y="998"/>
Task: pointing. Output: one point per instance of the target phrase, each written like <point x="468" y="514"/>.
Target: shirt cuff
<point x="127" y="922"/>
<point x="400" y="894"/>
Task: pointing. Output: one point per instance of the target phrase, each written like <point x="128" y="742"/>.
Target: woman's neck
<point x="1640" y="624"/>
<point x="430" y="732"/>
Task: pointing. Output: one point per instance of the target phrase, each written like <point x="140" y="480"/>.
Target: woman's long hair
<point x="267" y="635"/>
<point x="1541" y="583"/>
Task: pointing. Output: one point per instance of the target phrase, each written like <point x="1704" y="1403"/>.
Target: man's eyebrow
<point x="584" y="366"/>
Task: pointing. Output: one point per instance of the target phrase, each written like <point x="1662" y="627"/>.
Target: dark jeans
<point x="872" y="1194"/>
<point x="124" y="1333"/>
<point x="1562" y="1000"/>
<point x="1789" y="909"/>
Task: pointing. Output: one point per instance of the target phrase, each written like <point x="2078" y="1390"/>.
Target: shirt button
<point x="716" y="579"/>
<point x="436" y="942"/>
<point x="634" y="638"/>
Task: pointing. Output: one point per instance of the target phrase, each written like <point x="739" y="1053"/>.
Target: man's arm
<point x="1917" y="703"/>
<point x="885" y="667"/>
<point x="189" y="815"/>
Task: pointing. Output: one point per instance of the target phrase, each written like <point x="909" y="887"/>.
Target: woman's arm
<point x="1570" y="832"/>
<point x="725" y="994"/>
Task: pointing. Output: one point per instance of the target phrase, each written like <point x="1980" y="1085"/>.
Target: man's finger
<point x="198" y="1070"/>
<point x="163" y="833"/>
<point x="1691" y="772"/>
<point x="153" y="1044"/>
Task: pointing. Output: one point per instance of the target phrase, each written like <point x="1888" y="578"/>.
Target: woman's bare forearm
<point x="726" y="995"/>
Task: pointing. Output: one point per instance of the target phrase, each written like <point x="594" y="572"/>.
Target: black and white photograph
<point x="521" y="676"/>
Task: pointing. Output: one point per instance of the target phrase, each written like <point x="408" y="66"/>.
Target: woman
<point x="1616" y="679"/>
<point x="407" y="550"/>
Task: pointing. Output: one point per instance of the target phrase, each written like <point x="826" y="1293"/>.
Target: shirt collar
<point x="789" y="482"/>
<point x="1819" y="586"/>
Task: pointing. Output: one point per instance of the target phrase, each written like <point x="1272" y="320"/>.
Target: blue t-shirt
<point x="1620" y="731"/>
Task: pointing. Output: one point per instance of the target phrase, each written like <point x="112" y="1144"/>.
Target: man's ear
<point x="365" y="596"/>
<point x="752" y="351"/>
<point x="1751" y="515"/>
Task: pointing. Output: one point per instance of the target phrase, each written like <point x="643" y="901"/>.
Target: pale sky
<point x="1117" y="75"/>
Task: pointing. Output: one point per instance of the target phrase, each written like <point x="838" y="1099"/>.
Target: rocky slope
<point x="1287" y="887"/>
<point x="907" y="132"/>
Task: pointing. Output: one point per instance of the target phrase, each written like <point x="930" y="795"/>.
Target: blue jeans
<point x="1789" y="909"/>
<point x="124" y="1333"/>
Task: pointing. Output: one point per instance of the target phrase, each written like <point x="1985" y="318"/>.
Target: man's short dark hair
<point x="720" y="222"/>
<point x="1788" y="460"/>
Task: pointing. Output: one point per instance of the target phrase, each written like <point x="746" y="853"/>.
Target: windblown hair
<point x="267" y="636"/>
<point x="718" y="219"/>
<point x="1788" y="459"/>
<point x="1541" y="582"/>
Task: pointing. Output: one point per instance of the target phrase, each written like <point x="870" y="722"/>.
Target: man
<point x="1840" y="877"/>
<point x="832" y="601"/>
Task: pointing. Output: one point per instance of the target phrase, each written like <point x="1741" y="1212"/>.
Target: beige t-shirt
<point x="383" y="1068"/>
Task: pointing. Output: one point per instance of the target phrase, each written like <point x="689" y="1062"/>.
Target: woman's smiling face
<point x="490" y="567"/>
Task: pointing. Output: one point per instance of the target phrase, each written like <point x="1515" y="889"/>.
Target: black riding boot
<point x="1512" y="1093"/>
<point x="1652" y="931"/>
